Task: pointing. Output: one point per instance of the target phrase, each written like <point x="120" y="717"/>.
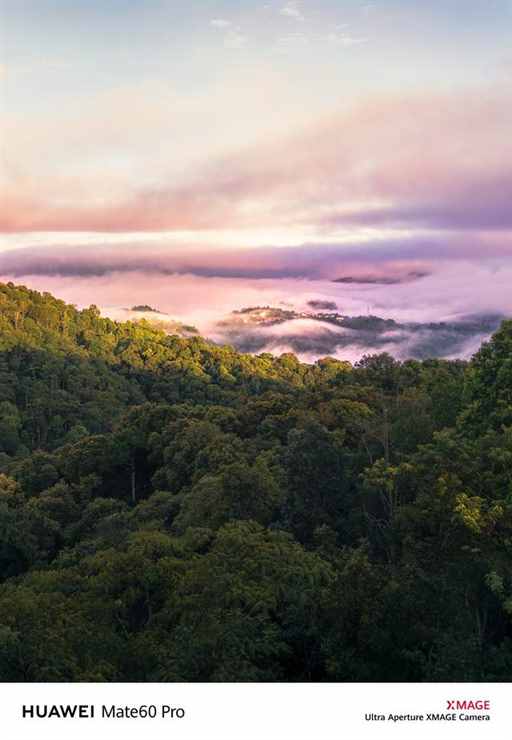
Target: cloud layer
<point x="408" y="284"/>
<point x="437" y="163"/>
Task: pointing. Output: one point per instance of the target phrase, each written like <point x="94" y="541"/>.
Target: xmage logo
<point x="452" y="704"/>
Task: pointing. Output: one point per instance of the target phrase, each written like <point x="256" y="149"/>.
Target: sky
<point x="369" y="136"/>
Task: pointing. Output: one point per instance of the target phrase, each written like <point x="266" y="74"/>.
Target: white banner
<point x="254" y="711"/>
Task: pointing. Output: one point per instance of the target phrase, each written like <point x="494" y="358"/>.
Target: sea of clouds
<point x="413" y="283"/>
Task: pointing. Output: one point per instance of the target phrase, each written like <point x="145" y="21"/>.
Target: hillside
<point x="172" y="510"/>
<point x="329" y="332"/>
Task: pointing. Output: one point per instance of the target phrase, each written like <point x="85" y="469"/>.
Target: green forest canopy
<point x="172" y="510"/>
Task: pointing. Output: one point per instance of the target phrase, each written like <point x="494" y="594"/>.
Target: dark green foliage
<point x="144" y="308"/>
<point x="171" y="510"/>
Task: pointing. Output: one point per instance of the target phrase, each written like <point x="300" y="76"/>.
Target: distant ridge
<point x="381" y="280"/>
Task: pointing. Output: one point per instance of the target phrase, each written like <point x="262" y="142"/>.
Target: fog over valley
<point x="314" y="301"/>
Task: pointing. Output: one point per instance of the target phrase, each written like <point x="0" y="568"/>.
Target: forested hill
<point x="171" y="510"/>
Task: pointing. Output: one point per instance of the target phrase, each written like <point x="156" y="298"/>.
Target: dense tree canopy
<point x="171" y="510"/>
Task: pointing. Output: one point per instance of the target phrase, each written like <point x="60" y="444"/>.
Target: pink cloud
<point x="437" y="162"/>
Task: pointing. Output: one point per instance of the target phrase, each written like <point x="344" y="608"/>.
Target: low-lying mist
<point x="436" y="306"/>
